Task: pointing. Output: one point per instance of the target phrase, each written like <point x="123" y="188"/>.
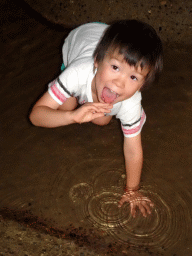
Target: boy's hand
<point x="90" y="111"/>
<point x="136" y="199"/>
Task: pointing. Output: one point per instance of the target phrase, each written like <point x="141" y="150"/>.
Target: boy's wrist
<point x="131" y="189"/>
<point x="72" y="117"/>
<point x="67" y="117"/>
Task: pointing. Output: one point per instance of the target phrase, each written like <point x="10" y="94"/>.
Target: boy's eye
<point x="133" y="78"/>
<point x="115" y="67"/>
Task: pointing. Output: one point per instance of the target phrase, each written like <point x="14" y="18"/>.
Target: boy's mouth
<point x="108" y="96"/>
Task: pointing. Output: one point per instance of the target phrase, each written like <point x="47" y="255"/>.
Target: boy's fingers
<point x="133" y="210"/>
<point x="97" y="108"/>
<point x="143" y="210"/>
<point x="96" y="115"/>
<point x="103" y="105"/>
<point x="144" y="205"/>
<point x="121" y="202"/>
<point x="148" y="209"/>
<point x="101" y="110"/>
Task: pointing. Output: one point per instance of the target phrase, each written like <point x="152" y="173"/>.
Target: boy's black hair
<point x="138" y="42"/>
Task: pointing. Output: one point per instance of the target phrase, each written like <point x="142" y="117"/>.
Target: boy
<point x="106" y="67"/>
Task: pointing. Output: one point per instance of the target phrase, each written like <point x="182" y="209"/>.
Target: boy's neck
<point x="93" y="91"/>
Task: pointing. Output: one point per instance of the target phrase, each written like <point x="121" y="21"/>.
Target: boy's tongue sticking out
<point x="108" y="95"/>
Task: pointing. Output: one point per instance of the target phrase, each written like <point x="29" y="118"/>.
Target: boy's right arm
<point x="45" y="113"/>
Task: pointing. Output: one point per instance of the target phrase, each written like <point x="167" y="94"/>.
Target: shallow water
<point x="72" y="177"/>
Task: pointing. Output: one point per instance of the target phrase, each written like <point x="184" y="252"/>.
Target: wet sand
<point x="59" y="187"/>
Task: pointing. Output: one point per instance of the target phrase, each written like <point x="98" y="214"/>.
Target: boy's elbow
<point x="33" y="118"/>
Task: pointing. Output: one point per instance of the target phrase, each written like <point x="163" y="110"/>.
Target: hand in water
<point x="137" y="199"/>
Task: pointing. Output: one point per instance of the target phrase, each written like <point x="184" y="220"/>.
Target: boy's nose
<point x="120" y="82"/>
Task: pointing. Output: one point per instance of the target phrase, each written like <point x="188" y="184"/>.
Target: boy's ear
<point x="95" y="63"/>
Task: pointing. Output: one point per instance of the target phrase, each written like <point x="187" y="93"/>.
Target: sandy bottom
<point x="59" y="188"/>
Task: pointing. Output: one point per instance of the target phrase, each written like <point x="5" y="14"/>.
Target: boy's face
<point x="116" y="80"/>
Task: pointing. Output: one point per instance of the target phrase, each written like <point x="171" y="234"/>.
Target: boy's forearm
<point x="133" y="162"/>
<point x="47" y="117"/>
<point x="133" y="170"/>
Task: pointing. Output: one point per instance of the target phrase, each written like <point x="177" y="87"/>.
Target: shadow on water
<point x="67" y="181"/>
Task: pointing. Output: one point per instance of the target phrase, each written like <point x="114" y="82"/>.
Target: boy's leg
<point x="69" y="104"/>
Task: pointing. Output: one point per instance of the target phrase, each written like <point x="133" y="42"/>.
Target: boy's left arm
<point x="133" y="153"/>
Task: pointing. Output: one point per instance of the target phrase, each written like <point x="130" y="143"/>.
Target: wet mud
<point x="59" y="188"/>
<point x="171" y="18"/>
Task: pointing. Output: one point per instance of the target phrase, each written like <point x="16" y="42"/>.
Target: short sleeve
<point x="135" y="119"/>
<point x="63" y="87"/>
<point x="132" y="115"/>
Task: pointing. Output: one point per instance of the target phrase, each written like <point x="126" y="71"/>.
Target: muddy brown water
<point x="68" y="180"/>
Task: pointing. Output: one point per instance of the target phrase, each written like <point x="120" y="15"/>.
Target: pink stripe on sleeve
<point x="60" y="96"/>
<point x="137" y="128"/>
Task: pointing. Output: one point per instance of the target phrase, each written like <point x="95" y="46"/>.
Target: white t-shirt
<point x="76" y="79"/>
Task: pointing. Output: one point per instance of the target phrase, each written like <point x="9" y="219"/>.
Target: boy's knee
<point x="102" y="120"/>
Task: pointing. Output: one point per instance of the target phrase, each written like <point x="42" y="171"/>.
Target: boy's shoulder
<point x="87" y="31"/>
<point x="90" y="26"/>
<point x="81" y="42"/>
<point x="82" y="64"/>
<point x="78" y="71"/>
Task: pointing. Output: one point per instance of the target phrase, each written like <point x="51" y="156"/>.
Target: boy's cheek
<point x="106" y="75"/>
<point x="101" y="78"/>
